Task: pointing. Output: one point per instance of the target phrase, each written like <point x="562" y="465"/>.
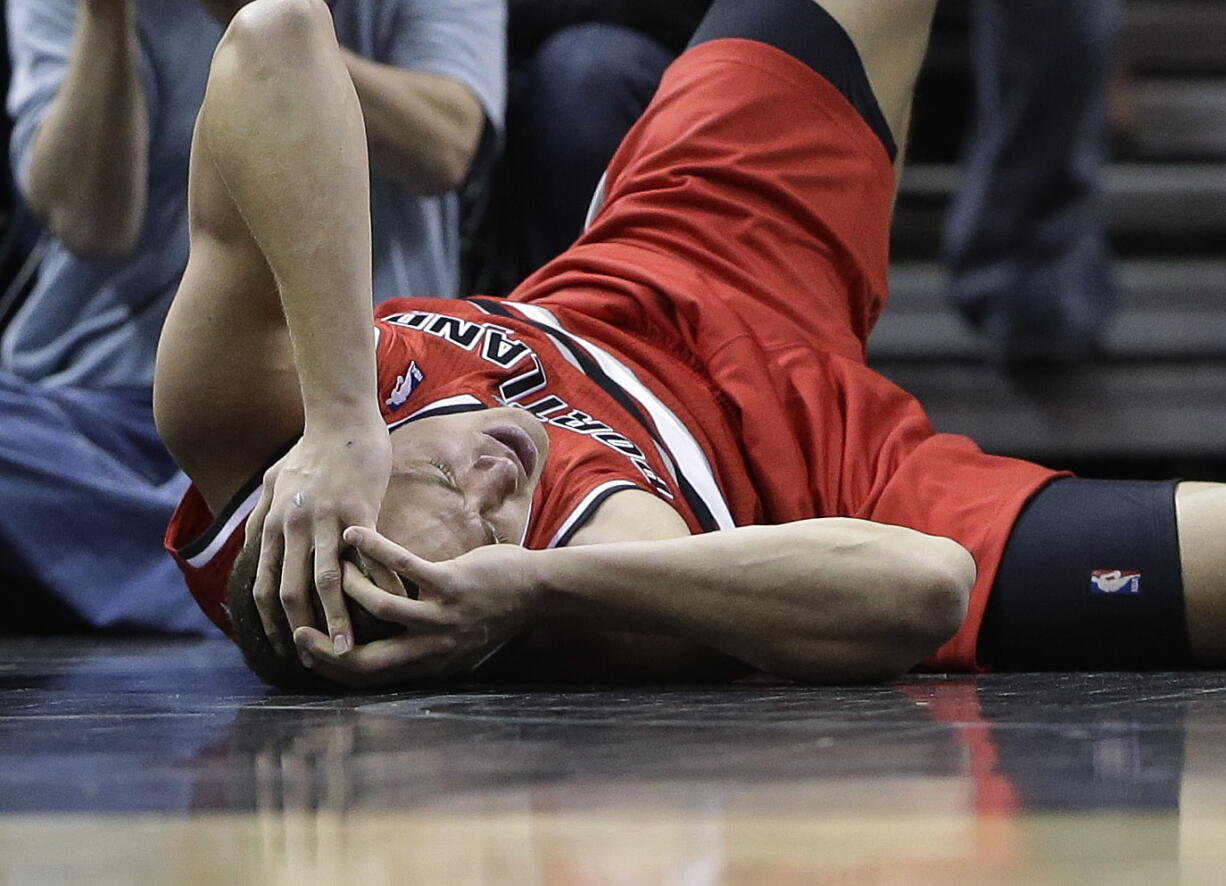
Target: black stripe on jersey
<point x="586" y="363"/>
<point x="578" y="521"/>
<point x="593" y="371"/>
<point x="197" y="545"/>
<point x="808" y="33"/>
<point x="454" y="409"/>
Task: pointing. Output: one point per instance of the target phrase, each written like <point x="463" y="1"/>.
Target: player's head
<point x="463" y="480"/>
<point x="458" y="481"/>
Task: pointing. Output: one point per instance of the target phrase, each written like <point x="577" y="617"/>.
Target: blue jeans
<point x="573" y="103"/>
<point x="1025" y="240"/>
<point x="86" y="491"/>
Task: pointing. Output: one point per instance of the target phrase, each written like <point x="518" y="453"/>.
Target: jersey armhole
<point x="583" y="512"/>
<point x="200" y="551"/>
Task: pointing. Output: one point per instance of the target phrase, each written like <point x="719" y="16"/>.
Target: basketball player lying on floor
<point x="663" y="455"/>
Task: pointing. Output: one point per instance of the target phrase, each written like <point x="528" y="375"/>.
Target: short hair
<point x="247" y="630"/>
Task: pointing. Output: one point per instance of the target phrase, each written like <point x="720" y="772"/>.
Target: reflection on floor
<point x="143" y="763"/>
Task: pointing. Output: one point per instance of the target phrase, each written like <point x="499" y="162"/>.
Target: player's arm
<point x="271" y="333"/>
<point x="86" y="173"/>
<point x="826" y="600"/>
<point x="423" y="128"/>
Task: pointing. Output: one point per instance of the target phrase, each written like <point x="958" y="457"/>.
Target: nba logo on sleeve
<point x="405" y="386"/>
<point x="1115" y="581"/>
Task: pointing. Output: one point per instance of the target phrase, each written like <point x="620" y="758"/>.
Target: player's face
<point x="462" y="481"/>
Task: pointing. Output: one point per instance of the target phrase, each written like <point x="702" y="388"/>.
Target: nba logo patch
<point x="1115" y="581"/>
<point x="405" y="386"/>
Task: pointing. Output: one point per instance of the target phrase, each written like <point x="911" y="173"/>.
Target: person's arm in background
<point x="82" y="159"/>
<point x="427" y="103"/>
<point x="423" y="129"/>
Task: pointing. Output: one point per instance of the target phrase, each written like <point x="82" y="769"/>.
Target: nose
<point x="493" y="480"/>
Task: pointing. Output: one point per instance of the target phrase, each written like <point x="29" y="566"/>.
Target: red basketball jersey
<point x="607" y="432"/>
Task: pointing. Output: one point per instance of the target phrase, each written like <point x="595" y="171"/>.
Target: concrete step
<point x="1168" y="309"/>
<point x="1175" y="36"/>
<point x="1179" y="119"/>
<point x="1143" y="200"/>
<point x="1117" y="410"/>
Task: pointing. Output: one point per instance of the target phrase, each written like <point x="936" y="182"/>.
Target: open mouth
<point x="520" y="444"/>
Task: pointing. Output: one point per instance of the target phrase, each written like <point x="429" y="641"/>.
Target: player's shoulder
<point x="631" y="514"/>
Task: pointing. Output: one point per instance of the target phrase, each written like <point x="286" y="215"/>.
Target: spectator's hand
<point x="467" y="609"/>
<point x="328" y="481"/>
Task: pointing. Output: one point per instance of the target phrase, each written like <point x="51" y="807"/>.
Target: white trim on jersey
<point x="439" y="405"/>
<point x="523" y="538"/>
<point x="241" y="513"/>
<point x="579" y="512"/>
<point x="686" y="451"/>
<point x="597" y="203"/>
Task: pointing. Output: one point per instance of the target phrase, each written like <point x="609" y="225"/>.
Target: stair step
<point x="1175" y="36"/>
<point x="1179" y="119"/>
<point x="1141" y="199"/>
<point x="1168" y="309"/>
<point x="1124" y="410"/>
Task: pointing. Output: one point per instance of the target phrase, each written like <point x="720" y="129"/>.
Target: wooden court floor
<point x="165" y="763"/>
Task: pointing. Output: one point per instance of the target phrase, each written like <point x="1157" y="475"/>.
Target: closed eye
<point x="448" y="475"/>
<point x="492" y="535"/>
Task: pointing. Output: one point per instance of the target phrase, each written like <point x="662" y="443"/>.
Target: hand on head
<point x="329" y="480"/>
<point x="468" y="608"/>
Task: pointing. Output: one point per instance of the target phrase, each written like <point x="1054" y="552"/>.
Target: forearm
<point x="423" y="129"/>
<point x="287" y="140"/>
<point x="88" y="170"/>
<point x="818" y="600"/>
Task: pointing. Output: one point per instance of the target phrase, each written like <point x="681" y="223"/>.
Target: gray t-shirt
<point x="96" y="323"/>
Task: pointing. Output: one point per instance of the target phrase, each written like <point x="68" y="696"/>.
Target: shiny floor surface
<point x="156" y="763"/>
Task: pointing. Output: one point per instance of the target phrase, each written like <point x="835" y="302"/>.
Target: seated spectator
<point x="1025" y="241"/>
<point x="104" y="97"/>
<point x="581" y="74"/>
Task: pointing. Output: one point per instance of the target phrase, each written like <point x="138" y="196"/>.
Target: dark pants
<point x="579" y="95"/>
<point x="1025" y="242"/>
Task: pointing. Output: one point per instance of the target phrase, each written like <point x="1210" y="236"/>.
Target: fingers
<point x="265" y="591"/>
<point x="384" y="578"/>
<point x="331" y="595"/>
<point x="375" y="547"/>
<point x="391" y="607"/>
<point x="401" y="658"/>
<point x="296" y="580"/>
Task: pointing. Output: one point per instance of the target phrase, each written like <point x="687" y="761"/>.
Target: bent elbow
<point x="930" y="606"/>
<point x="96" y="242"/>
<point x="86" y="238"/>
<point x="452" y="168"/>
<point x="939" y="595"/>
<point x="443" y="170"/>
<point x="453" y="150"/>
<point x="87" y="230"/>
